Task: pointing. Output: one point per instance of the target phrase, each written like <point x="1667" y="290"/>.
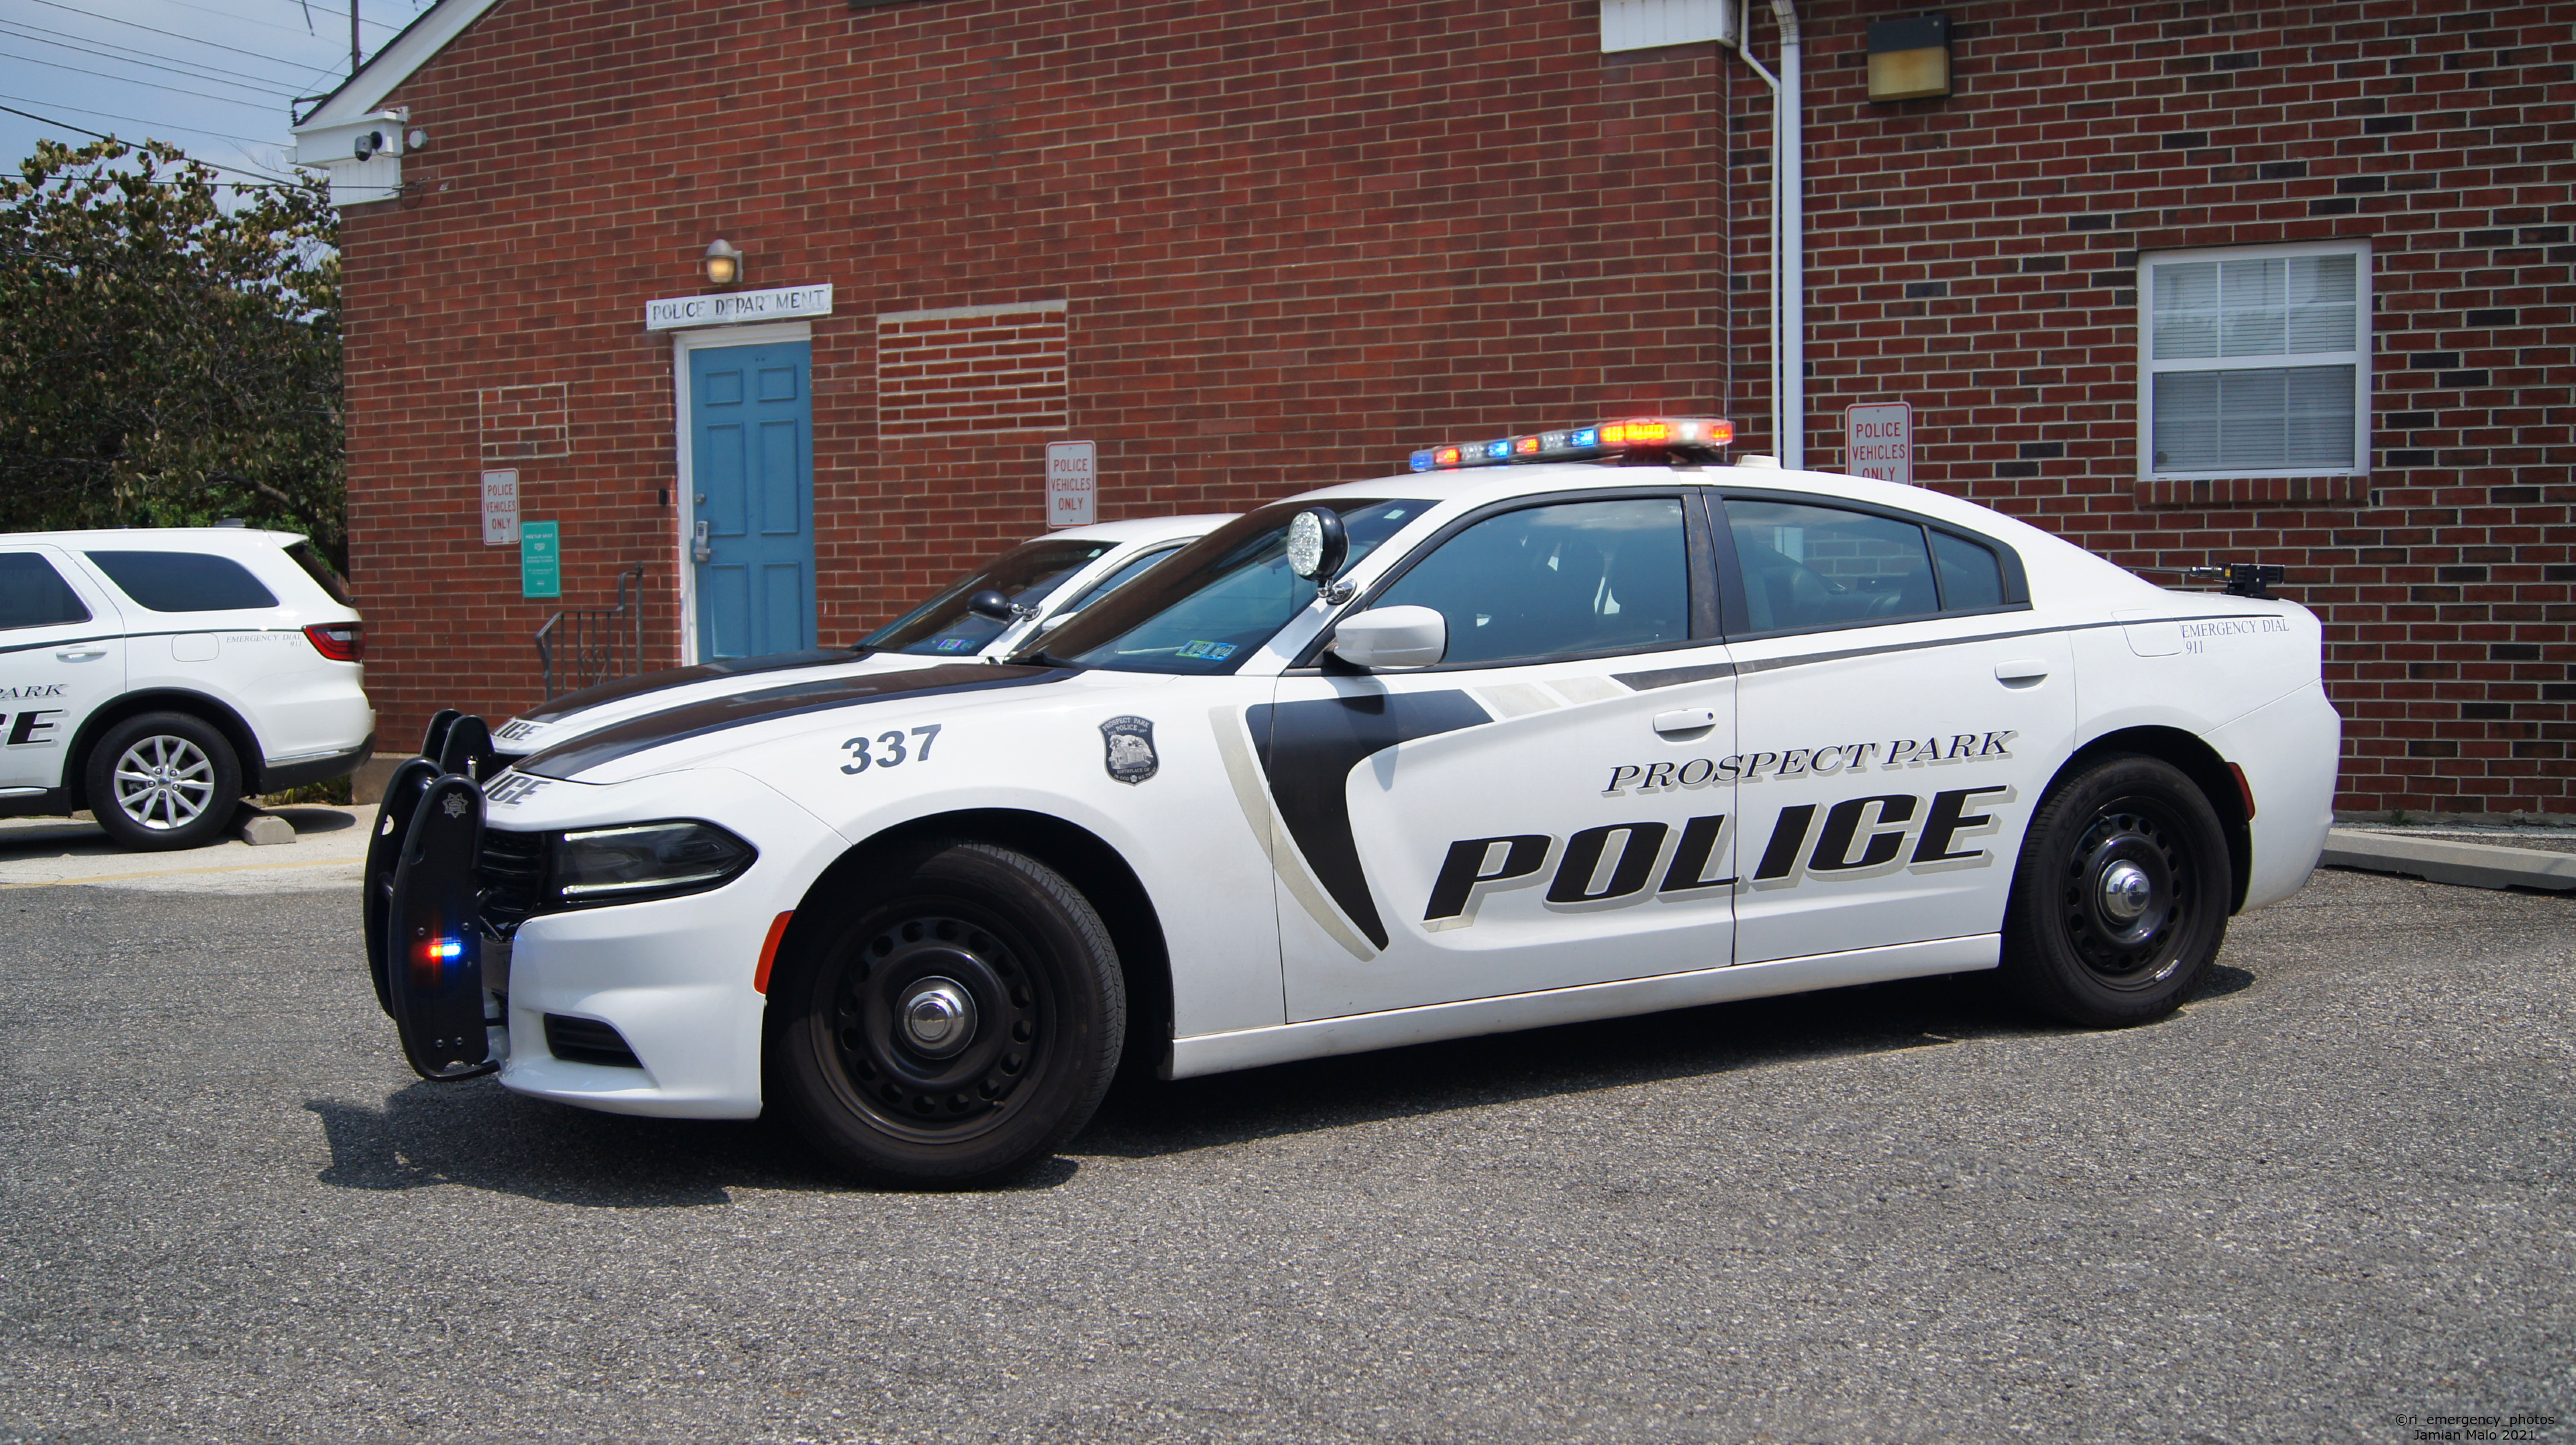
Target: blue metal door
<point x="751" y="429"/>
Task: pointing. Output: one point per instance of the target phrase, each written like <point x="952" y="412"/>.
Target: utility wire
<point x="266" y="82"/>
<point x="265" y="86"/>
<point x="130" y="80"/>
<point x="267" y="183"/>
<point x="136" y="119"/>
<point x="173" y="34"/>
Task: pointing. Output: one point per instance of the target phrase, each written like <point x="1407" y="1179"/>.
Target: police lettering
<point x="33" y="727"/>
<point x="1616" y="863"/>
<point x="1822" y="762"/>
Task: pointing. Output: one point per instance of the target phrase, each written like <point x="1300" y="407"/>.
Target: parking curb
<point x="2441" y="860"/>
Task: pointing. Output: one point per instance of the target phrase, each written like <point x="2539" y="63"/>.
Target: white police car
<point x="984" y="614"/>
<point x="1448" y="753"/>
<point x="156" y="675"/>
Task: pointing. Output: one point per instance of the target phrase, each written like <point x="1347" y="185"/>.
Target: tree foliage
<point x="166" y="360"/>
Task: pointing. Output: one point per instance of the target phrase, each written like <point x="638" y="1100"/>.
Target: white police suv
<point x="155" y="676"/>
<point x="983" y="615"/>
<point x="1557" y="727"/>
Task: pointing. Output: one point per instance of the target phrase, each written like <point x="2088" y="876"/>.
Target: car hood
<point x="621" y="748"/>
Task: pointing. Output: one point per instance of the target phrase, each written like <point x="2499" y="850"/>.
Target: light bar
<point x="1633" y="436"/>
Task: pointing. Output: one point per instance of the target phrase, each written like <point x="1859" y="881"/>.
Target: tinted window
<point x="33" y="594"/>
<point x="1135" y="567"/>
<point x="183" y="581"/>
<point x="1824" y="567"/>
<point x="1220" y="599"/>
<point x="943" y="627"/>
<point x="1557" y="581"/>
<point x="320" y="571"/>
<point x="1970" y="575"/>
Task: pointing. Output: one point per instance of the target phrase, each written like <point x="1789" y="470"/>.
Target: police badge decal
<point x="1130" y="741"/>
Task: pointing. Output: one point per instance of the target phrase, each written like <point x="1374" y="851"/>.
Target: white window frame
<point x="2358" y="359"/>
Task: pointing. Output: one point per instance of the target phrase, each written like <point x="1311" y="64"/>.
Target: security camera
<point x="370" y="142"/>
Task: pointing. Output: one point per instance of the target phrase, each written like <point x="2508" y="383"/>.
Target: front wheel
<point x="952" y="1025"/>
<point x="2120" y="899"/>
<point x="164" y="780"/>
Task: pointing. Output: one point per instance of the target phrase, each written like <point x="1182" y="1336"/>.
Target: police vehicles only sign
<point x="1878" y="442"/>
<point x="1073" y="484"/>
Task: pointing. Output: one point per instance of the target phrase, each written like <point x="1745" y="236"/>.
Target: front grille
<point x="512" y="875"/>
<point x="588" y="1041"/>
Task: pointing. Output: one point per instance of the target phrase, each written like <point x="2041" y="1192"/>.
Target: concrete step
<point x="2449" y="860"/>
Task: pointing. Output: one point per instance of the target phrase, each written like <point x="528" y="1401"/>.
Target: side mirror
<point x="1318" y="544"/>
<point x="1392" y="637"/>
<point x="993" y="605"/>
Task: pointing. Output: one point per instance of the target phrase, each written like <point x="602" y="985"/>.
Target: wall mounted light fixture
<point x="1909" y="59"/>
<point x="724" y="263"/>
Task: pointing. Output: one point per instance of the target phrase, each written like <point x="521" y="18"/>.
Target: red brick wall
<point x="1297" y="240"/>
<point x="1977" y="256"/>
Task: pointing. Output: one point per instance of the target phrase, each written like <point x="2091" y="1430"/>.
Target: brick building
<point x="1250" y="247"/>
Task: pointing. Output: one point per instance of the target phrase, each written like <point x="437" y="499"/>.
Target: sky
<point x="213" y="77"/>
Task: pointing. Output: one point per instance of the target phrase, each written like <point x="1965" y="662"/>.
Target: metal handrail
<point x="586" y="640"/>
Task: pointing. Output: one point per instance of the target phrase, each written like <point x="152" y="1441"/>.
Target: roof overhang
<point x="352" y="134"/>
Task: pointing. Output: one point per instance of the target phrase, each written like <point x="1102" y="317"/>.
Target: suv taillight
<point x="339" y="641"/>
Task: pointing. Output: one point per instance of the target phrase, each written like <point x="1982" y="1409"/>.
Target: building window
<point x="2256" y="361"/>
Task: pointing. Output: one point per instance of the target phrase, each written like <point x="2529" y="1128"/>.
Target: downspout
<point x="1789" y="249"/>
<point x="1788" y="236"/>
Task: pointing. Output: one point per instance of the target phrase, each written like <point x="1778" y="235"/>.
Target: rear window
<point x="320" y="571"/>
<point x="33" y="594"/>
<point x="183" y="581"/>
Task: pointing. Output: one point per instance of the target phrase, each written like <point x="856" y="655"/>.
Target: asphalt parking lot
<point x="2331" y="1195"/>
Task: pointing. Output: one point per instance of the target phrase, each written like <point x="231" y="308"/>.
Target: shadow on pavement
<point x="481" y="1136"/>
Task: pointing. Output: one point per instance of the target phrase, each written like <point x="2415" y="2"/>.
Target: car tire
<point x="163" y="780"/>
<point x="2120" y="897"/>
<point x="952" y="1025"/>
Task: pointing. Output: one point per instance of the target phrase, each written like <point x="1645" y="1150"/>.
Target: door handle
<point x="82" y="654"/>
<point x="698" y="548"/>
<point x="1685" y="720"/>
<point x="2023" y="669"/>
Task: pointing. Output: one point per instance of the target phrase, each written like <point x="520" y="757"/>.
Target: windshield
<point x="1217" y="602"/>
<point x="1027" y="574"/>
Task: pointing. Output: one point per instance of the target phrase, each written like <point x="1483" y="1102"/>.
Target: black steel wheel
<point x="953" y="1026"/>
<point x="2121" y="895"/>
<point x="163" y="780"/>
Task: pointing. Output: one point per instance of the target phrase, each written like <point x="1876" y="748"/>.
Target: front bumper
<point x="673" y="977"/>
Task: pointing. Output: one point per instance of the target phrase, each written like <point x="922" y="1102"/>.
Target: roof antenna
<point x="308" y="16"/>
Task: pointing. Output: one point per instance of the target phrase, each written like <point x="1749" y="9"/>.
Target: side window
<point x="1807" y="566"/>
<point x="1556" y="581"/>
<point x="1136" y="567"/>
<point x="1971" y="576"/>
<point x="33" y="594"/>
<point x="183" y="581"/>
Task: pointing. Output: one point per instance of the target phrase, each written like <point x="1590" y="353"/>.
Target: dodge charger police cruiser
<point x="155" y="675"/>
<point x="1556" y="727"/>
<point x="983" y="615"/>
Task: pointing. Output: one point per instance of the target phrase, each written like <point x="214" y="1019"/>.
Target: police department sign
<point x="786" y="303"/>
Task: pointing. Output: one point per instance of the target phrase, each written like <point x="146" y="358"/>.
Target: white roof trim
<point x="416" y="46"/>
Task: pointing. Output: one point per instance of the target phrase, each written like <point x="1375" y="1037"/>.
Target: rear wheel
<point x="2120" y="899"/>
<point x="163" y="780"/>
<point x="952" y="1026"/>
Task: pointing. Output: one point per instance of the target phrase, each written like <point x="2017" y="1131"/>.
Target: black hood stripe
<point x="697" y="719"/>
<point x="619" y="689"/>
<point x="1308" y="750"/>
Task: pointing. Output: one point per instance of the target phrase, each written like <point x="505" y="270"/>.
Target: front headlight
<point x="635" y="861"/>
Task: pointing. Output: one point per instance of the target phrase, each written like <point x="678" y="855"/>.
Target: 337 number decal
<point x="889" y="749"/>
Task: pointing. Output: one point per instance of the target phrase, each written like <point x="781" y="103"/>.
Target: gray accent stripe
<point x="1674" y="676"/>
<point x="147" y="636"/>
<point x="1773" y="664"/>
